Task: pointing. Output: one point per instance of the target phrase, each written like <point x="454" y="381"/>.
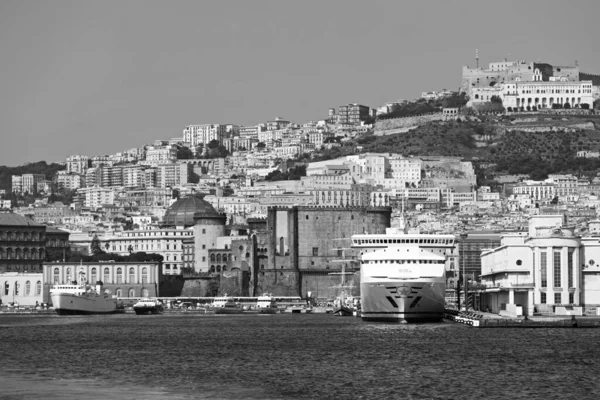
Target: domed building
<point x="181" y="213"/>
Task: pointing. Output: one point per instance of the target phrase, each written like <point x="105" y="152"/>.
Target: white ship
<point x="403" y="276"/>
<point x="82" y="299"/>
<point x="266" y="304"/>
<point x="225" y="305"/>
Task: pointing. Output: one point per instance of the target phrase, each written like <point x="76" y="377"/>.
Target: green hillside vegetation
<point x="517" y="152"/>
<point x="40" y="167"/>
<point x="423" y="106"/>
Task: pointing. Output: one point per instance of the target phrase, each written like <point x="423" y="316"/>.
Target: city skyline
<point x="100" y="79"/>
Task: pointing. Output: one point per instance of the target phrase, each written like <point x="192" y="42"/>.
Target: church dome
<point x="181" y="213"/>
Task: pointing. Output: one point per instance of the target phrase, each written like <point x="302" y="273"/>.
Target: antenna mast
<point x="477" y="57"/>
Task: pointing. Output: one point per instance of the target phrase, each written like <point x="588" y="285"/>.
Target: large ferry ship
<point x="82" y="299"/>
<point x="403" y="276"/>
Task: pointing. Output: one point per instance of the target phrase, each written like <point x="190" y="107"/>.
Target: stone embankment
<point x="401" y="125"/>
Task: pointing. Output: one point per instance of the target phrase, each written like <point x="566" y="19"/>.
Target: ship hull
<point x="402" y="301"/>
<point x="226" y="310"/>
<point x="71" y="304"/>
<point x="147" y="310"/>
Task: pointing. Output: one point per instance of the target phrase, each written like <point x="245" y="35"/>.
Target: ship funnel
<point x="98" y="286"/>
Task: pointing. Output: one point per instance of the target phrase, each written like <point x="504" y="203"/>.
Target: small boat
<point x="266" y="304"/>
<point x="225" y="305"/>
<point x="148" y="306"/>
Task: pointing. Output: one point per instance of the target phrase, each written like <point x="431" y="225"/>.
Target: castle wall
<point x="200" y="287"/>
<point x="278" y="283"/>
<point x="316" y="233"/>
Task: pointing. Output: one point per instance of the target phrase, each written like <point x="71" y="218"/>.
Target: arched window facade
<point x="106" y="275"/>
<point x="131" y="292"/>
<point x="27" y="288"/>
<point x="94" y="277"/>
<point x="145" y="293"/>
<point x="119" y="275"/>
<point x="38" y="288"/>
<point x="69" y="276"/>
<point x="131" y="275"/>
<point x="218" y="258"/>
<point x="212" y="258"/>
<point x="145" y="276"/>
<point x="6" y="288"/>
<point x="56" y="276"/>
<point x="119" y="293"/>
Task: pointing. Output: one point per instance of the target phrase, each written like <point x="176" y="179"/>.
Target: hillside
<point x="537" y="145"/>
<point x="39" y="167"/>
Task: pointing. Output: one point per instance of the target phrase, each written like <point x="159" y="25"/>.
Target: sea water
<point x="289" y="356"/>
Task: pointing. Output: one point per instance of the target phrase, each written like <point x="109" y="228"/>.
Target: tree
<point x="585" y="106"/>
<point x="95" y="246"/>
<point x="496" y="99"/>
<point x="260" y="145"/>
<point x="184" y="153"/>
<point x="567" y="106"/>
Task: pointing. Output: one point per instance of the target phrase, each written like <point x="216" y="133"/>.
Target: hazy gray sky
<point x="98" y="77"/>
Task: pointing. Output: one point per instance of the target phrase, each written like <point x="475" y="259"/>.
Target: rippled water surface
<point x="289" y="356"/>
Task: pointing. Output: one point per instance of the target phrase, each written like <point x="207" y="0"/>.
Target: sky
<point x="99" y="77"/>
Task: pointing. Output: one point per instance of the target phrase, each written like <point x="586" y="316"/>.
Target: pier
<point x="478" y="319"/>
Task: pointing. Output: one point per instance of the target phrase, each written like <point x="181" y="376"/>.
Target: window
<point x="27" y="288"/>
<point x="131" y="275"/>
<point x="571" y="298"/>
<point x="94" y="276"/>
<point x="6" y="288"/>
<point x="203" y="231"/>
<point x="203" y="247"/>
<point x="543" y="298"/>
<point x="570" y="269"/>
<point x="38" y="288"/>
<point x="556" y="264"/>
<point x="315" y="251"/>
<point x="557" y="298"/>
<point x="119" y="275"/>
<point x="145" y="275"/>
<point x="543" y="269"/>
<point x="56" y="276"/>
<point x="119" y="293"/>
<point x="69" y="277"/>
<point x="131" y="292"/>
<point x="17" y="287"/>
<point x="106" y="275"/>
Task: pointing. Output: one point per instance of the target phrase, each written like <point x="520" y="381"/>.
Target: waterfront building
<point x="123" y="279"/>
<point x="23" y="289"/>
<point x="548" y="270"/>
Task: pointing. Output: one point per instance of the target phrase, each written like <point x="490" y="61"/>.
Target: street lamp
<point x="463" y="237"/>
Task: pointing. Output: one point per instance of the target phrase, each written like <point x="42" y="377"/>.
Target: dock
<point x="487" y="320"/>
